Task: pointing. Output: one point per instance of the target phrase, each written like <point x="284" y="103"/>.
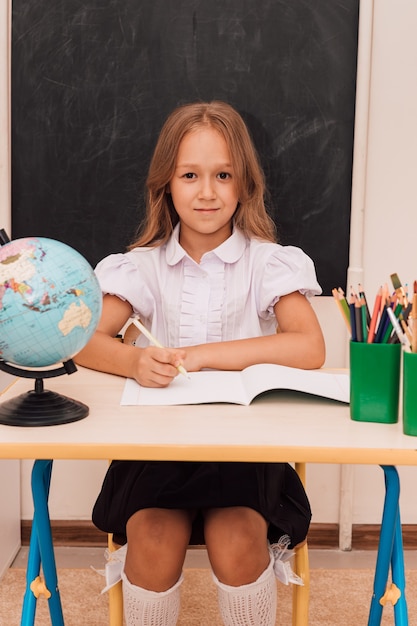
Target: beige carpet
<point x="338" y="597"/>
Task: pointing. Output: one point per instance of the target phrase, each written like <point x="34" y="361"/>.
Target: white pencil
<point x="156" y="343"/>
<point x="397" y="328"/>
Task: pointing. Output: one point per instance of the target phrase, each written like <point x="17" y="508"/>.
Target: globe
<point x="50" y="302"/>
<point x="50" y="305"/>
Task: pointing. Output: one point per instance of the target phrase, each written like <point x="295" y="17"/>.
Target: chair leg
<point x="115" y="595"/>
<point x="301" y="594"/>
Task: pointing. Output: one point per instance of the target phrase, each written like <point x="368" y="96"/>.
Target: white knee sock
<point x="254" y="604"/>
<point x="150" y="608"/>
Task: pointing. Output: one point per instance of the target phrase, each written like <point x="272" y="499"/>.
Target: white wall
<point x="390" y="224"/>
<point x="391" y="197"/>
<point x="384" y="201"/>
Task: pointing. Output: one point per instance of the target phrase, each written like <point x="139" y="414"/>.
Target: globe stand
<point x="41" y="407"/>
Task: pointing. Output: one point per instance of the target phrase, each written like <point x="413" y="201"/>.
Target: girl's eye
<point x="189" y="175"/>
<point x="224" y="175"/>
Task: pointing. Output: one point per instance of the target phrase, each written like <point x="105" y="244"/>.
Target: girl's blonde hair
<point x="250" y="216"/>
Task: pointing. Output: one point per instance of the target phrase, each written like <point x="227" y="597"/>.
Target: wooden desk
<point x="279" y="427"/>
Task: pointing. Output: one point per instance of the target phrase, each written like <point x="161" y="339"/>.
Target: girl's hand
<point x="157" y="367"/>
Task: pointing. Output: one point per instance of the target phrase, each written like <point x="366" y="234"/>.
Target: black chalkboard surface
<point x="93" y="81"/>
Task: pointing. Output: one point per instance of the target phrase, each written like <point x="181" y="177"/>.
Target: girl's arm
<point x="299" y="342"/>
<point x="151" y="367"/>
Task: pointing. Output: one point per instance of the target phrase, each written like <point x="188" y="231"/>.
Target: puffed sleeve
<point x="286" y="269"/>
<point x="118" y="275"/>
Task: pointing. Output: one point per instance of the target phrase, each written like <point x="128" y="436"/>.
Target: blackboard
<point x="93" y="80"/>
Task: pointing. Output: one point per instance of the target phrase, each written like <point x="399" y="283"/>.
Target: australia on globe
<point x="50" y="302"/>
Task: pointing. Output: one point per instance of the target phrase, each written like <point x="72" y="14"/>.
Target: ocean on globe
<point x="50" y="302"/>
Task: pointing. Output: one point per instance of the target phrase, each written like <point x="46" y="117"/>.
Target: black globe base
<point x="41" y="407"/>
<point x="45" y="408"/>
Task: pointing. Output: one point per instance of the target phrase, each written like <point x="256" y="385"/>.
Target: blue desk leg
<point x="398" y="575"/>
<point x="41" y="551"/>
<point x="390" y="553"/>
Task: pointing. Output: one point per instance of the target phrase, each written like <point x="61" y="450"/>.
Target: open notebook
<point x="239" y="387"/>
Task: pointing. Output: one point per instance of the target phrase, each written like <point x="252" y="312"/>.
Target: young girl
<point x="208" y="280"/>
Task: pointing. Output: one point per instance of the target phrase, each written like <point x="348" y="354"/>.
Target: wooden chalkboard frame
<point x="94" y="235"/>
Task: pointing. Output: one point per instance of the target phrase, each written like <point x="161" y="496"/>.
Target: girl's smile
<point x="204" y="191"/>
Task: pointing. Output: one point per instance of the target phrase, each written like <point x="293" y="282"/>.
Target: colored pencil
<point x="362" y="295"/>
<point x="393" y="319"/>
<point x="353" y="318"/>
<point x="343" y="307"/>
<point x="358" y="320"/>
<point x="375" y="316"/>
<point x="405" y="328"/>
<point x="389" y="328"/>
<point x="364" y="319"/>
<point x="398" y="330"/>
<point x="413" y="316"/>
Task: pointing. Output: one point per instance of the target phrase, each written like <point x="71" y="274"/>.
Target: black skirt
<point x="272" y="489"/>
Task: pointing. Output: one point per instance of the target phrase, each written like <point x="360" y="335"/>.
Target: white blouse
<point x="230" y="294"/>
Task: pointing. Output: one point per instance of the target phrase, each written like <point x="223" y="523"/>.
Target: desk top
<point x="279" y="426"/>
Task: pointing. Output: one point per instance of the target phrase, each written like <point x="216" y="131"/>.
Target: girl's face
<point x="204" y="191"/>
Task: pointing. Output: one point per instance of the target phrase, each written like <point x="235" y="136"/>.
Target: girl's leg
<point x="237" y="546"/>
<point x="157" y="541"/>
<point x="150" y="608"/>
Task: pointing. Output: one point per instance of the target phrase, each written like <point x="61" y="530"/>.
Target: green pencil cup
<point x="410" y="393"/>
<point x="374" y="382"/>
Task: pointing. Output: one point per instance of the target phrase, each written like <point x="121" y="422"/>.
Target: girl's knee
<point x="237" y="544"/>
<point x="159" y="527"/>
<point x="238" y="528"/>
<point x="156" y="537"/>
